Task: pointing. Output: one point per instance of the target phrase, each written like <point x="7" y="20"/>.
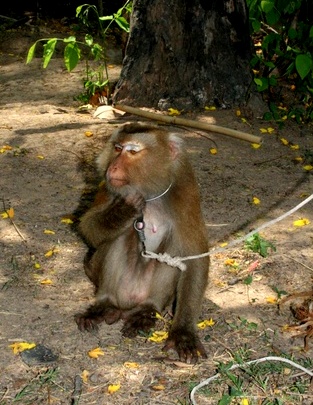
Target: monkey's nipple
<point x="154" y="229"/>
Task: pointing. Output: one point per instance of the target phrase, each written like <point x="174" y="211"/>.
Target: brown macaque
<point x="149" y="183"/>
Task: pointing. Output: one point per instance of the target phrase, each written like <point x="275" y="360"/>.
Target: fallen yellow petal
<point x="204" y="324"/>
<point x="67" y="221"/>
<point x="51" y="252"/>
<point x="158" y="336"/>
<point x="159" y="316"/>
<point x="48" y="232"/>
<point x="213" y="151"/>
<point x="95" y="353"/>
<point x="301" y="222"/>
<point x="284" y="141"/>
<point x="210" y="108"/>
<point x="172" y="111"/>
<point x="298" y="159"/>
<point x="37" y="265"/>
<point x="88" y="134"/>
<point x="21" y="346"/>
<point x="256" y="201"/>
<point x="85" y="375"/>
<point x="294" y="147"/>
<point x="159" y="387"/>
<point x="230" y="262"/>
<point x="244" y="401"/>
<point x="308" y="167"/>
<point x="131" y="365"/>
<point x="256" y="145"/>
<point x="46" y="281"/>
<point x="238" y="113"/>
<point x="40" y="157"/>
<point x="113" y="388"/>
<point x="271" y="300"/>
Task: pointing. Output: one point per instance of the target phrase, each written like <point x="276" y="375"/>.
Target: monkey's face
<point x="140" y="162"/>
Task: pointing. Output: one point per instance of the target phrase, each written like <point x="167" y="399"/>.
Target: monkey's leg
<point x="97" y="313"/>
<point x="142" y="320"/>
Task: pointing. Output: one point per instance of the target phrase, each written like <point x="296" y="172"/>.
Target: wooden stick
<point x="190" y="123"/>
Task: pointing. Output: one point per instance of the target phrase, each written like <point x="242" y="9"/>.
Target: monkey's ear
<point x="176" y="145"/>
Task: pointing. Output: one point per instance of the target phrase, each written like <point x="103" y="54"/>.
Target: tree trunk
<point x="186" y="54"/>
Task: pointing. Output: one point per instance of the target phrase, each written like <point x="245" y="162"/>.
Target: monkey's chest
<point x="156" y="228"/>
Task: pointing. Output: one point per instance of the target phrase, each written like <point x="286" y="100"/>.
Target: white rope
<point x="178" y="261"/>
<point x="241" y="365"/>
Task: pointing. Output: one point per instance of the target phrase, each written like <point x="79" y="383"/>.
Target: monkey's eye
<point x="118" y="147"/>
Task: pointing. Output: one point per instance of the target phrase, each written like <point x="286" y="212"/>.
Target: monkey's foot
<point x="96" y="314"/>
<point x="141" y="321"/>
<point x="187" y="344"/>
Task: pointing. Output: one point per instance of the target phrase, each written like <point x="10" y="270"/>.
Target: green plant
<point x="283" y="61"/>
<point x="95" y="80"/>
<point x="259" y="245"/>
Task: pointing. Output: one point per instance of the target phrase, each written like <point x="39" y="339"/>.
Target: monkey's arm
<point x="105" y="222"/>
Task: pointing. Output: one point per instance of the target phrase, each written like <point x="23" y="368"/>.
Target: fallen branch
<point x="190" y="123"/>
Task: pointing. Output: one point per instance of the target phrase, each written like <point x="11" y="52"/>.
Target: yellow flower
<point x="256" y="201"/>
<point x="158" y="336"/>
<point x="301" y="222"/>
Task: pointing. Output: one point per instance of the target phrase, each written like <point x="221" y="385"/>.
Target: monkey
<point x="150" y="189"/>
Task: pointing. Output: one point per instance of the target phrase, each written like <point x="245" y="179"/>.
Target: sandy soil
<point x="43" y="178"/>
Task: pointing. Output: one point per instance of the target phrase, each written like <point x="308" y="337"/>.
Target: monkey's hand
<point x="187" y="344"/>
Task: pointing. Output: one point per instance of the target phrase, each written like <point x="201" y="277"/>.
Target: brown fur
<point x="139" y="163"/>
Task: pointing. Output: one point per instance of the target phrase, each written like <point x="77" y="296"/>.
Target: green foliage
<point x="283" y="61"/>
<point x="95" y="80"/>
<point x="259" y="245"/>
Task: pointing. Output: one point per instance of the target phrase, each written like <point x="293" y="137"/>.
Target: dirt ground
<point x="43" y="179"/>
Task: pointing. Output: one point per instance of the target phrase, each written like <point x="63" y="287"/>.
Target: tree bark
<point x="186" y="54"/>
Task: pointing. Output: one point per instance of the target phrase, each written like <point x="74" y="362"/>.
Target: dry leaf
<point x="21" y="346"/>
<point x="95" y="353"/>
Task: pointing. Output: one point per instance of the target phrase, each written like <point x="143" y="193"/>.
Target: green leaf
<point x="71" y="56"/>
<point x="122" y="23"/>
<point x="88" y="39"/>
<point x="225" y="400"/>
<point x="48" y="50"/>
<point x="292" y="33"/>
<point x="272" y="17"/>
<point x="31" y="53"/>
<point x="303" y="65"/>
<point x="70" y="39"/>
<point x="106" y="18"/>
<point x="256" y="25"/>
<point x="267" y="6"/>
